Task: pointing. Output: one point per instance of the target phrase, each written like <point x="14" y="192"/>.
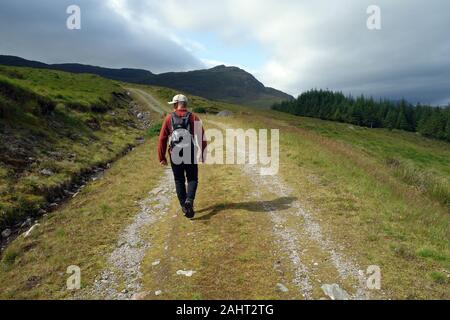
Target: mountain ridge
<point x="222" y="83"/>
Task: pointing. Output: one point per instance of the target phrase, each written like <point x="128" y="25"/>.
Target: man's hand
<point x="163" y="163"/>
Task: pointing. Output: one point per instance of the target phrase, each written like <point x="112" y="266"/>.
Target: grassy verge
<point x="377" y="216"/>
<point x="418" y="161"/>
<point x="82" y="233"/>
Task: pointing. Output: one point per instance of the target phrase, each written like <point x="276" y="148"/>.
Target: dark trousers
<point x="181" y="173"/>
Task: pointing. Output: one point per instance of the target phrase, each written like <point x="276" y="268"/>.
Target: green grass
<point x="386" y="144"/>
<point x="199" y="110"/>
<point x="61" y="87"/>
<point x="439" y="277"/>
<point x="421" y="162"/>
<point x="342" y="175"/>
<point x="154" y="129"/>
<point x="9" y="259"/>
<point x="81" y="233"/>
<point x="195" y="102"/>
<point x="88" y="125"/>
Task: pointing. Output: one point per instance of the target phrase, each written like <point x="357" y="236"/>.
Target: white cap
<point x="179" y="98"/>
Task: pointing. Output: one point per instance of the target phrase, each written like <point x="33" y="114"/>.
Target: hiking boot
<point x="189" y="209"/>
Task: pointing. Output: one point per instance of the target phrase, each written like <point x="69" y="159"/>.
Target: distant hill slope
<point x="126" y="75"/>
<point x="230" y="84"/>
<point x="222" y="83"/>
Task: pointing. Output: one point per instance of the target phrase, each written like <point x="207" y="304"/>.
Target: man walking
<point x="184" y="132"/>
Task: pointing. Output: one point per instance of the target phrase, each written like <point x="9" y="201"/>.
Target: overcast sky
<point x="290" y="45"/>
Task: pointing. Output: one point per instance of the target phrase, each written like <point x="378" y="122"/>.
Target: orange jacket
<point x="166" y="131"/>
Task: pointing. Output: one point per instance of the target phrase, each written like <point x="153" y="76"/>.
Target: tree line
<point x="433" y="122"/>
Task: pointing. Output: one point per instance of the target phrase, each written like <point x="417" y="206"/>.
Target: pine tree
<point x="405" y="118"/>
<point x="391" y="119"/>
<point x="402" y="122"/>
<point x="447" y="126"/>
<point x="337" y="114"/>
<point x="435" y="125"/>
<point x="329" y="105"/>
<point x="447" y="130"/>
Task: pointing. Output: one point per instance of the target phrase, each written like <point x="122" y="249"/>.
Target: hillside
<point x="345" y="198"/>
<point x="57" y="129"/>
<point x="228" y="84"/>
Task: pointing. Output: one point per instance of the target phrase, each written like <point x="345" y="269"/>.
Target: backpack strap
<point x="172" y="116"/>
<point x="187" y="123"/>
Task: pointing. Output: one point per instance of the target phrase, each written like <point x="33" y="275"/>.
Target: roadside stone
<point x="281" y="287"/>
<point x="158" y="292"/>
<point x="335" y="292"/>
<point x="26" y="223"/>
<point x="68" y="193"/>
<point x="155" y="263"/>
<point x="187" y="273"/>
<point x="46" y="172"/>
<point x="27" y="234"/>
<point x="6" y="233"/>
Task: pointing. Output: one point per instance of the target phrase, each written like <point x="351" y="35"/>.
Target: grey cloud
<point x="37" y="30"/>
<point x="409" y="57"/>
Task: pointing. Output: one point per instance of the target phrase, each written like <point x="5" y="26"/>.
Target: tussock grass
<point x="425" y="180"/>
<point x="418" y="161"/>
